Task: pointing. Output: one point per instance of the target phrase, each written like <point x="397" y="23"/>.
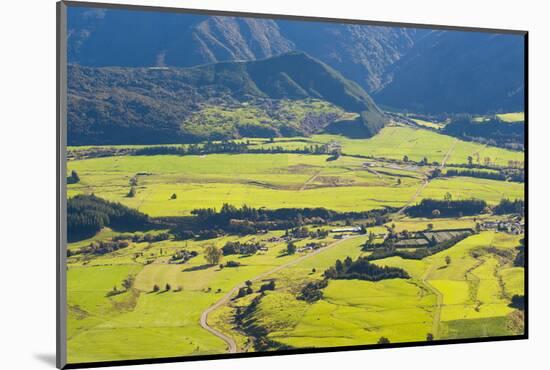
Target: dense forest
<point x="87" y="214"/>
<point x="510" y="206"/>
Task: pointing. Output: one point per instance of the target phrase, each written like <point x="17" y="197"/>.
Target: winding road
<point x="231" y="344"/>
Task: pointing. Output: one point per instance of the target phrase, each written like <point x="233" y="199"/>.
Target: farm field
<point x="512" y="117"/>
<point x="395" y="142"/>
<point x="136" y="302"/>
<point x="359" y="312"/>
<point x="98" y="322"/>
<point x="244" y="185"/>
<point x="288" y="180"/>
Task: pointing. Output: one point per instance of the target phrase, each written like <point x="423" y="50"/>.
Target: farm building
<point x="426" y="238"/>
<point x="351" y="229"/>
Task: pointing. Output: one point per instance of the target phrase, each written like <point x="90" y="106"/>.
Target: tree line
<point x="447" y="208"/>
<point x="228" y="212"/>
<point x="515" y="176"/>
<point x="234" y="147"/>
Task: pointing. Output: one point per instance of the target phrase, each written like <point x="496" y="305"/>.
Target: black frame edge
<point x="61" y="196"/>
<point x="61" y="360"/>
<point x="167" y="9"/>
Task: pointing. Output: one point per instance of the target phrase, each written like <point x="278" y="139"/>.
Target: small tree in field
<point x="167" y="287"/>
<point x="132" y="192"/>
<point x="212" y="255"/>
<point x="448" y="260"/>
<point x="383" y="340"/>
<point x="429" y="337"/>
<point x="156" y="288"/>
<point x="174" y="196"/>
<point x="74" y="176"/>
<point x="290" y="248"/>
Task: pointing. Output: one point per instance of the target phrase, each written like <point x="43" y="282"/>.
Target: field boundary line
<point x="439" y="301"/>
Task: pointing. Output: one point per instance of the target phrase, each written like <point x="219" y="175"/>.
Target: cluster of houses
<point x="310" y="247"/>
<point x="515" y="226"/>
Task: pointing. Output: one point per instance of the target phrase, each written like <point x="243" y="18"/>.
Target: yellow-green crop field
<point x="356" y="312"/>
<point x="464" y="291"/>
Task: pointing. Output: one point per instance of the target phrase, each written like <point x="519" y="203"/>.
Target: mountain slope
<point x="421" y="70"/>
<point x="291" y="94"/>
<point x="143" y="39"/>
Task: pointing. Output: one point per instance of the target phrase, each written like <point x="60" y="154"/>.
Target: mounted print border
<point x="254" y="185"/>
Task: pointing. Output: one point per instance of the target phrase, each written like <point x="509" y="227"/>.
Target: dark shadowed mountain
<point x="143" y="39"/>
<point x="459" y="72"/>
<point x="361" y="53"/>
<point x="406" y="68"/>
<point x="115" y="105"/>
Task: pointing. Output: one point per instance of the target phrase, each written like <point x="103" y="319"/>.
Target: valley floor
<point x="192" y="308"/>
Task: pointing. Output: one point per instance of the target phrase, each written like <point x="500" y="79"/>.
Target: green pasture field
<point x="142" y="323"/>
<point x="394" y="142"/>
<point x="468" y="297"/>
<point x="259" y="180"/>
<point x="428" y="124"/>
<point x="491" y="191"/>
<point x="470" y="285"/>
<point x="269" y="180"/>
<point x="512" y="117"/>
<point x="356" y="312"/>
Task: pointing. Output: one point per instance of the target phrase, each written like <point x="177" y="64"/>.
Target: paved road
<point x="231" y="344"/>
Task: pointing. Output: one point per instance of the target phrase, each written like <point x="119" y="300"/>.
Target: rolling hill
<point x="269" y="97"/>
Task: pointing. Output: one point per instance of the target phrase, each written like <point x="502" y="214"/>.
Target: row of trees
<point x="210" y="147"/>
<point x="251" y="219"/>
<point x="447" y="207"/>
<point x="104" y="247"/>
<point x="241" y="248"/>
<point x="501" y="175"/>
